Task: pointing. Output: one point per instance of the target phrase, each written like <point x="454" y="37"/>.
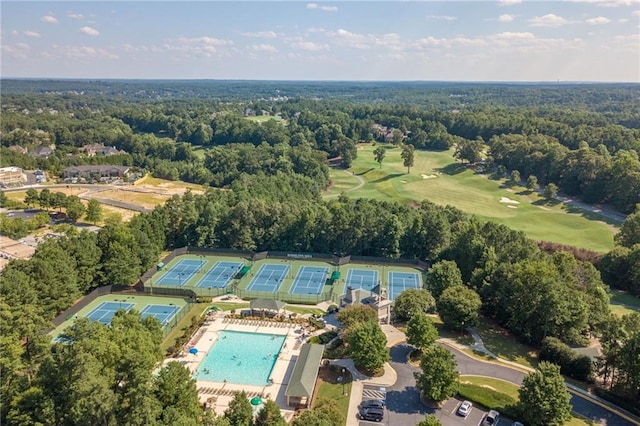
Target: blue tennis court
<point x="268" y="278"/>
<point x="361" y="278"/>
<point x="106" y="310"/>
<point x="220" y="275"/>
<point x="401" y="281"/>
<point x="309" y="280"/>
<point x="164" y="313"/>
<point x="181" y="272"/>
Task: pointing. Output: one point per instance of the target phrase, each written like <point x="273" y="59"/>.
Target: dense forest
<point x="264" y="191"/>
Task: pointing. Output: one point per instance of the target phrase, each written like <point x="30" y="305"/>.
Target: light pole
<point x="344" y="371"/>
<point x="462" y="329"/>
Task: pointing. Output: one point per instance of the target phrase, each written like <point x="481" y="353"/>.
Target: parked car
<point x="517" y="424"/>
<point x="491" y="419"/>
<point x="375" y="414"/>
<point x="465" y="408"/>
<point x="372" y="403"/>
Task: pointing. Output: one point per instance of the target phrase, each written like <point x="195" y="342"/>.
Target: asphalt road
<point x="404" y="406"/>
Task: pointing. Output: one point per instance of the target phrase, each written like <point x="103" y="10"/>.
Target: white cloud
<point x="441" y="18"/>
<point x="74" y="16"/>
<point x="309" y="46"/>
<point x="514" y="36"/>
<point x="598" y="20"/>
<point x="549" y="20"/>
<point x="14" y="33"/>
<point x="316" y="30"/>
<point x="83" y="52"/>
<point x="608" y="3"/>
<point x="508" y="2"/>
<point x="346" y="38"/>
<point x="49" y="19"/>
<point x="263" y="47"/>
<point x="635" y="13"/>
<point x="506" y="18"/>
<point x="325" y="8"/>
<point x="31" y="34"/>
<point x="207" y="41"/>
<point x="18" y="50"/>
<point x="260" y="34"/>
<point x="89" y="31"/>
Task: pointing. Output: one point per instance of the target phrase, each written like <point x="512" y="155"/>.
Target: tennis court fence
<point x="311" y="299"/>
<point x="85" y="301"/>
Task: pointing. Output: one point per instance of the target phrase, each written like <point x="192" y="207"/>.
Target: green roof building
<point x="305" y="373"/>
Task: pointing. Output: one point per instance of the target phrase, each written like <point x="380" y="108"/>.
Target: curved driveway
<point x="406" y="408"/>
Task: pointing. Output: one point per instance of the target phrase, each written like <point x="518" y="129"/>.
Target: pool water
<point x="241" y="358"/>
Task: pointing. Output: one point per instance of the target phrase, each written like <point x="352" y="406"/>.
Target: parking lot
<point x="448" y="417"/>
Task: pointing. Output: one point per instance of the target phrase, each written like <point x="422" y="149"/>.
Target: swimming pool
<point x="241" y="358"/>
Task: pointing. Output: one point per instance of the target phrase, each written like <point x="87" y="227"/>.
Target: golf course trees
<point x="408" y="157"/>
<point x="629" y="234"/>
<point x="412" y="302"/>
<point x="441" y="276"/>
<point x="544" y="400"/>
<point x="379" y="153"/>
<point x="421" y="332"/>
<point x="439" y="377"/>
<point x="367" y="346"/>
<point x="469" y="150"/>
<point x="550" y="191"/>
<point x="459" y="306"/>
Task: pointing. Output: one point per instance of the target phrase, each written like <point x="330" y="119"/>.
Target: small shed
<point x="305" y="373"/>
<point x="160" y="266"/>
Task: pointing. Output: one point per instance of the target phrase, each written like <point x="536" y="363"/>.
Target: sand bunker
<point x="512" y="207"/>
<point x="508" y="200"/>
<point x="403" y="181"/>
<point x="428" y="176"/>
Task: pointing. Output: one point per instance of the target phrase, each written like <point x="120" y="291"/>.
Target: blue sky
<point x="507" y="40"/>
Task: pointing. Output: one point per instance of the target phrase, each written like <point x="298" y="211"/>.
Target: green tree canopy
<point x="408" y="156"/>
<point x="379" y="154"/>
<point x="421" y="332"/>
<point x="550" y="191"/>
<point x="459" y="306"/>
<point x="94" y="211"/>
<point x="430" y="420"/>
<point x="629" y="234"/>
<point x="356" y="314"/>
<point x="269" y="415"/>
<point x="411" y="302"/>
<point x="439" y="377"/>
<point x="442" y="275"/>
<point x="544" y="400"/>
<point x="239" y="412"/>
<point x="367" y="346"/>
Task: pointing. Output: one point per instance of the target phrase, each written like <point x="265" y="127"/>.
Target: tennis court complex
<point x="180" y="273"/>
<point x="163" y="313"/>
<point x="220" y="275"/>
<point x="268" y="278"/>
<point x="366" y="279"/>
<point x="167" y="310"/>
<point x="401" y="281"/>
<point x="309" y="280"/>
<point x="106" y="310"/>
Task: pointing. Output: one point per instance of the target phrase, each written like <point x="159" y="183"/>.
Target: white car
<point x="464" y="409"/>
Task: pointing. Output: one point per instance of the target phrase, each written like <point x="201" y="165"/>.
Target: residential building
<point x="97" y="171"/>
<point x="41" y="152"/>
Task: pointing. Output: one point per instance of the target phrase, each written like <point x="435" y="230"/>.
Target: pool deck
<point x="220" y="394"/>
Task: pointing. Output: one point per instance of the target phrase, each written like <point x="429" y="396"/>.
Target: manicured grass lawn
<point x="166" y="184"/>
<point x="335" y="392"/>
<point x="302" y="310"/>
<point x="437" y="177"/>
<point x="226" y="306"/>
<point x="341" y="181"/>
<point x="501" y="343"/>
<point x="263" y="118"/>
<point x="623" y="303"/>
